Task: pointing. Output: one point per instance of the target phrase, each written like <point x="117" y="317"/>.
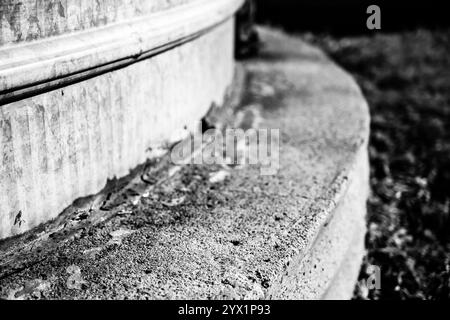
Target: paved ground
<point x="213" y="231"/>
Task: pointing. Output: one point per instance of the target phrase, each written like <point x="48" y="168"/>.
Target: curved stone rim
<point x="297" y="234"/>
<point x="32" y="68"/>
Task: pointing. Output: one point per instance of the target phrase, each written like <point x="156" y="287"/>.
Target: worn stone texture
<point x="66" y="144"/>
<point x="34" y="67"/>
<point x="26" y="20"/>
<point x="330" y="268"/>
<point x="288" y="235"/>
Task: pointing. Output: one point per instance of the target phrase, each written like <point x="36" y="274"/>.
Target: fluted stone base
<point x="88" y="107"/>
<point x="297" y="234"/>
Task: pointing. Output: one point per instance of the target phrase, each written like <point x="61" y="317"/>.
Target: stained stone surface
<point x="27" y="20"/>
<point x="184" y="233"/>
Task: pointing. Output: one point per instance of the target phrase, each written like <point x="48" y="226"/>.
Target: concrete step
<point x="183" y="231"/>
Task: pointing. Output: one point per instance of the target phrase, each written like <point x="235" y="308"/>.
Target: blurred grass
<point x="405" y="77"/>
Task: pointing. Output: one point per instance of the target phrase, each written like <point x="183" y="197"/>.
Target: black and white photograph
<point x="227" y="156"/>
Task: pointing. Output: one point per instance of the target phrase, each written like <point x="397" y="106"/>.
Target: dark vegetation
<point x="348" y="17"/>
<point x="405" y="75"/>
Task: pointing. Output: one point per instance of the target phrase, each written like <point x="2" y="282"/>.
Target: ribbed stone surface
<point x="65" y="144"/>
<point x="27" y="20"/>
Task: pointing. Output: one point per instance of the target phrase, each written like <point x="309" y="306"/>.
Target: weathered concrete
<point x="290" y="235"/>
<point x="34" y="67"/>
<point x="27" y="20"/>
<point x="66" y="143"/>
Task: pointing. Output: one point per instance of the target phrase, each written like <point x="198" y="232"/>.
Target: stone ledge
<point x="290" y="235"/>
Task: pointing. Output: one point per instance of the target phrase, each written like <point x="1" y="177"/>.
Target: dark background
<point x="349" y="16"/>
